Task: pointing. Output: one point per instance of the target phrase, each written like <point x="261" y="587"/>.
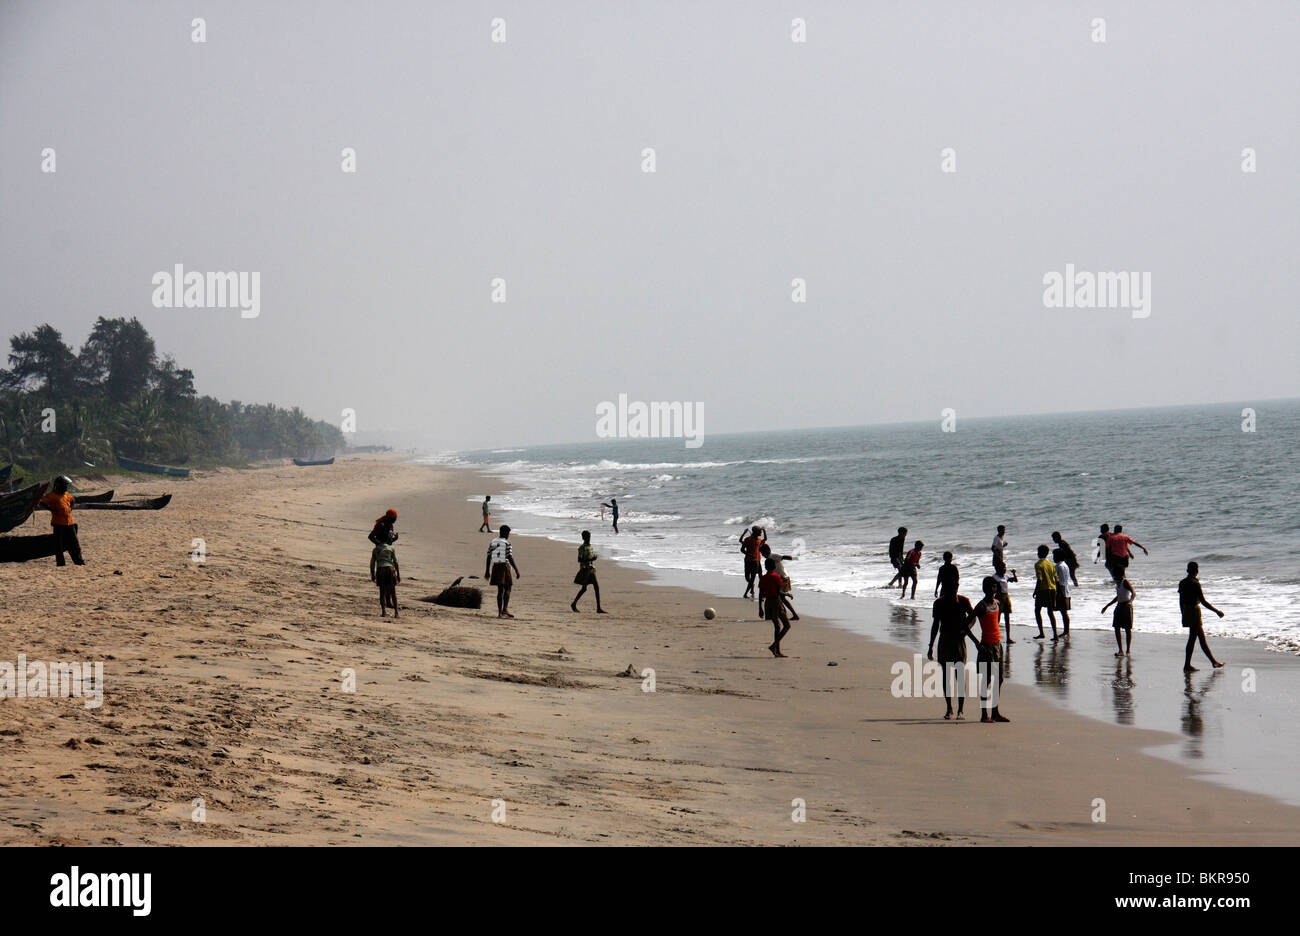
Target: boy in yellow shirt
<point x="1045" y="588"/>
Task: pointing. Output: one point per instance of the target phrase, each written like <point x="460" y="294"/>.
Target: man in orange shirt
<point x="59" y="501"/>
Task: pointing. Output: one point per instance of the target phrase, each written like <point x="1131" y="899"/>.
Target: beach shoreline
<point x="224" y="684"/>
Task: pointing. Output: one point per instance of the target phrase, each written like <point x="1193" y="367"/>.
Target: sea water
<point x="1186" y="482"/>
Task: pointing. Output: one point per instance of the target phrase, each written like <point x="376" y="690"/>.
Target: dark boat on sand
<point x="144" y="503"/>
<point x="81" y="500"/>
<point x="303" y="463"/>
<point x="130" y="464"/>
<point x="17" y="506"/>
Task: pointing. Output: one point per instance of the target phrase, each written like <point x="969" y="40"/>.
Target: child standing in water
<point x="911" y="562"/>
<point x="1004" y="578"/>
<point x="1123" y="620"/>
<point x="1045" y="588"/>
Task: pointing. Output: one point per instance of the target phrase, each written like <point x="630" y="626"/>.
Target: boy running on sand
<point x="1004" y="578"/>
<point x="496" y="569"/>
<point x="769" y="587"/>
<point x="1045" y="587"/>
<point x="586" y="572"/>
<point x="1190" y="599"/>
<point x="385" y="573"/>
<point x="787" y="597"/>
<point x="911" y="562"/>
<point x="1123" y="619"/>
<point x="990" y="651"/>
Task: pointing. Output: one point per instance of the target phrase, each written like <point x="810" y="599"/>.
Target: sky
<point x="775" y="160"/>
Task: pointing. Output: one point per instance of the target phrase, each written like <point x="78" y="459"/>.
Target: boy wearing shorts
<point x="769" y="587"/>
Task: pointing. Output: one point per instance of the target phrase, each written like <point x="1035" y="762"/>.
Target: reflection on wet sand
<point x="903" y="624"/>
<point x="1121" y="685"/>
<point x="1050" y="669"/>
<point x="1195" y="692"/>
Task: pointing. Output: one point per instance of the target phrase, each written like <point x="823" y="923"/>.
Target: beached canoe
<point x="83" y="499"/>
<point x="148" y="503"/>
<point x="25" y="548"/>
<point x="17" y="506"/>
<point x="130" y="464"/>
<point x="301" y="463"/>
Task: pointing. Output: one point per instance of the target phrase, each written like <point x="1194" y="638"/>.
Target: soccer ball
<point x="710" y="614"/>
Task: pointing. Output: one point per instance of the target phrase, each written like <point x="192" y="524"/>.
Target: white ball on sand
<point x="710" y="614"/>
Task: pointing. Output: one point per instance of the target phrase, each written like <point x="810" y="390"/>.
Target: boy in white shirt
<point x="1063" y="588"/>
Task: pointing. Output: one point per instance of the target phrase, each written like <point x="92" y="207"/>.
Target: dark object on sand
<point x="458" y="596"/>
<point x="82" y="500"/>
<point x="148" y="503"/>
<point x="130" y="464"/>
<point x="24" y="548"/>
<point x="302" y="463"/>
<point x="17" y="506"/>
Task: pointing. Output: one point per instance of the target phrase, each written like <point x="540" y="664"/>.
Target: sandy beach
<point x="224" y="682"/>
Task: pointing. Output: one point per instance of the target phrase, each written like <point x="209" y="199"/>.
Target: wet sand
<point x="224" y="681"/>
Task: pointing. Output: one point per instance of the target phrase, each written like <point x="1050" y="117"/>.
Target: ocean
<point x="1186" y="482"/>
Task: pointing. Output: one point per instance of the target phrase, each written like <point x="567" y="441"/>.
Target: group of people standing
<point x="1055" y="574"/>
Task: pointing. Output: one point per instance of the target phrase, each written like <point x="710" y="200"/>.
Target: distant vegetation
<point x="116" y="395"/>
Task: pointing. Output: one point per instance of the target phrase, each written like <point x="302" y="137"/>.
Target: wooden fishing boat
<point x="302" y="463"/>
<point x="17" y="506"/>
<point x="24" y="548"/>
<point x="81" y="500"/>
<point x="130" y="464"/>
<point x="146" y="503"/>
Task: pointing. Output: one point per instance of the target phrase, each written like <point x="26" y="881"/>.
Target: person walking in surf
<point x="1190" y="599"/>
<point x="1071" y="560"/>
<point x="613" y="506"/>
<point x="897" y="546"/>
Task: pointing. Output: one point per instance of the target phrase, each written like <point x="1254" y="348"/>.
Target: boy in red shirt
<point x="59" y="501"/>
<point x="769" y="587"/>
<point x="911" y="562"/>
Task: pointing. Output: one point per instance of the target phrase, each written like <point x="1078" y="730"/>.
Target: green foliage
<point x="117" y="395"/>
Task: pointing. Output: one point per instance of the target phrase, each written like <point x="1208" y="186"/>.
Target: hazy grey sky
<point x="775" y="160"/>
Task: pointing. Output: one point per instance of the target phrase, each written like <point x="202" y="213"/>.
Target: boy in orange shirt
<point x="59" y="501"/>
<point x="769" y="587"/>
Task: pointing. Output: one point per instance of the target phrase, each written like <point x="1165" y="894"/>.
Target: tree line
<point x="60" y="408"/>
